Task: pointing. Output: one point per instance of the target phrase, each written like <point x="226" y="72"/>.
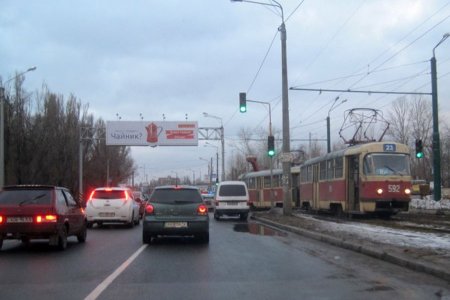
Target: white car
<point x="112" y="205"/>
<point x="232" y="199"/>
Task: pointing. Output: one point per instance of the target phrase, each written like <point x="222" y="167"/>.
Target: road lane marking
<point x="102" y="286"/>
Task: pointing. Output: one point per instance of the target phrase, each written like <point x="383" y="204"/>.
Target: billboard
<point x="151" y="133"/>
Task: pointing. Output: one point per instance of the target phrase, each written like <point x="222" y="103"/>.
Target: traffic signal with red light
<point x="419" y="148"/>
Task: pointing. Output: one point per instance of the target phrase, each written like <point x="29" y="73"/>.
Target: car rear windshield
<point x="109" y="194"/>
<point x="26" y="197"/>
<point x="174" y="196"/>
<point x="232" y="190"/>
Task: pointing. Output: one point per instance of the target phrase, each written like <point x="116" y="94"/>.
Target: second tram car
<point x="365" y="178"/>
<point x="267" y="193"/>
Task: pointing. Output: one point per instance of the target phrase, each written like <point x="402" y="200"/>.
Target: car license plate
<point x="175" y="225"/>
<point x="232" y="203"/>
<point x="19" y="220"/>
<point x="107" y="214"/>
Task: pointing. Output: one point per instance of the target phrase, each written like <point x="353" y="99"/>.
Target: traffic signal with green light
<point x="270" y="146"/>
<point x="242" y="102"/>
<point x="419" y="148"/>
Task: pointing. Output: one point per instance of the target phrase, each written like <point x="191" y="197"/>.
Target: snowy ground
<point x="393" y="236"/>
<point x="428" y="203"/>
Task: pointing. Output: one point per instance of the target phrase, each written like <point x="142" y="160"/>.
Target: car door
<point x="74" y="212"/>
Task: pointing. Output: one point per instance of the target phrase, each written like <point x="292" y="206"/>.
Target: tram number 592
<point x="394" y="188"/>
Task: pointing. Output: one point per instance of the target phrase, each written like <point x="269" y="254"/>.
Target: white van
<point x="231" y="199"/>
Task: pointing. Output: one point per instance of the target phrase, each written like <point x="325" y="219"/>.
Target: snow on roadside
<point x="428" y="203"/>
<point x="396" y="237"/>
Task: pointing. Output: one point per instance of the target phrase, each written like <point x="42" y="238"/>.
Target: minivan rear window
<point x="173" y="196"/>
<point x="26" y="197"/>
<point x="232" y="190"/>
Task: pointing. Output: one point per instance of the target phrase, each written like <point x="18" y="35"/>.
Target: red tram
<point x="263" y="194"/>
<point x="365" y="178"/>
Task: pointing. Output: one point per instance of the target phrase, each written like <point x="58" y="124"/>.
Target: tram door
<point x="315" y="186"/>
<point x="352" y="172"/>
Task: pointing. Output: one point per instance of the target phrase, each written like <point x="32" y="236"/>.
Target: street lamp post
<point x="217" y="159"/>
<point x="2" y="125"/>
<point x="436" y="140"/>
<point x="328" y="122"/>
<point x="286" y="155"/>
<point x="209" y="169"/>
<point x="222" y="140"/>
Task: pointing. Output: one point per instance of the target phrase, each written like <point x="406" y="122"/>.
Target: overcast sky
<point x="179" y="58"/>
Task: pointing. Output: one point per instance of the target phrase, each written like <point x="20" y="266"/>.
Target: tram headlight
<point x="379" y="191"/>
<point x="407" y="191"/>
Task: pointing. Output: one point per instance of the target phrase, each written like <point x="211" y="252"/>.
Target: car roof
<point x="232" y="182"/>
<point x="116" y="188"/>
<point x="177" y="187"/>
<point x="30" y="186"/>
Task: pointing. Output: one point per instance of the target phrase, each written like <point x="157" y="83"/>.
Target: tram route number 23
<point x="394" y="188"/>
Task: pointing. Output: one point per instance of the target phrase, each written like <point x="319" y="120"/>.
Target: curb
<point x="441" y="273"/>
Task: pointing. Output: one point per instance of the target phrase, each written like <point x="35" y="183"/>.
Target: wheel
<point x="136" y="222"/>
<point x="1" y="243"/>
<point x="62" y="239"/>
<point x="132" y="222"/>
<point x="216" y="216"/>
<point x="89" y="224"/>
<point x="81" y="236"/>
<point x="244" y="216"/>
<point x="146" y="238"/>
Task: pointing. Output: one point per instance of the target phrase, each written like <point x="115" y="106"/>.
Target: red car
<point x="40" y="212"/>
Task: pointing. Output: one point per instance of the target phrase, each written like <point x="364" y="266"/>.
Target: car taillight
<point x="202" y="210"/>
<point x="1" y="219"/>
<point x="149" y="209"/>
<point x="91" y="196"/>
<point x="379" y="191"/>
<point x="46" y="219"/>
<point x="126" y="195"/>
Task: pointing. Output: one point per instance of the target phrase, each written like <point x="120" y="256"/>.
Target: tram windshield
<point x="383" y="164"/>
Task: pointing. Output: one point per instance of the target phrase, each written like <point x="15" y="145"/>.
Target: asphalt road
<point x="242" y="261"/>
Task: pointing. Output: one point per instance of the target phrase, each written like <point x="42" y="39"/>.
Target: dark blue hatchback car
<point x="175" y="211"/>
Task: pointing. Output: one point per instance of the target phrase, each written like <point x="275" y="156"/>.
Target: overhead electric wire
<point x="399" y="51"/>
<point x="290" y="15"/>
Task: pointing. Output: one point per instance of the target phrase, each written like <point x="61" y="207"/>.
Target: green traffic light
<point x="243" y="109"/>
<point x="419" y="154"/>
<point x="271" y="153"/>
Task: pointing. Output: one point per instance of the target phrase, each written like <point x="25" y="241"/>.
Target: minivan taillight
<point x="149" y="209"/>
<point x="202" y="210"/>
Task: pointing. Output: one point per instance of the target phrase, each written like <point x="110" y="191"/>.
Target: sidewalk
<point x="423" y="252"/>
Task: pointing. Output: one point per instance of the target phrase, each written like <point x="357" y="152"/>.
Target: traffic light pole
<point x="243" y="98"/>
<point x="436" y="139"/>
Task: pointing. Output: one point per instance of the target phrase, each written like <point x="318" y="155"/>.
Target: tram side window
<point x="276" y="180"/>
<point x="310" y="173"/>
<point x="323" y="170"/>
<point x="330" y="169"/>
<point x="303" y="174"/>
<point x="251" y="183"/>
<point x="266" y="182"/>
<point x="338" y="167"/>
